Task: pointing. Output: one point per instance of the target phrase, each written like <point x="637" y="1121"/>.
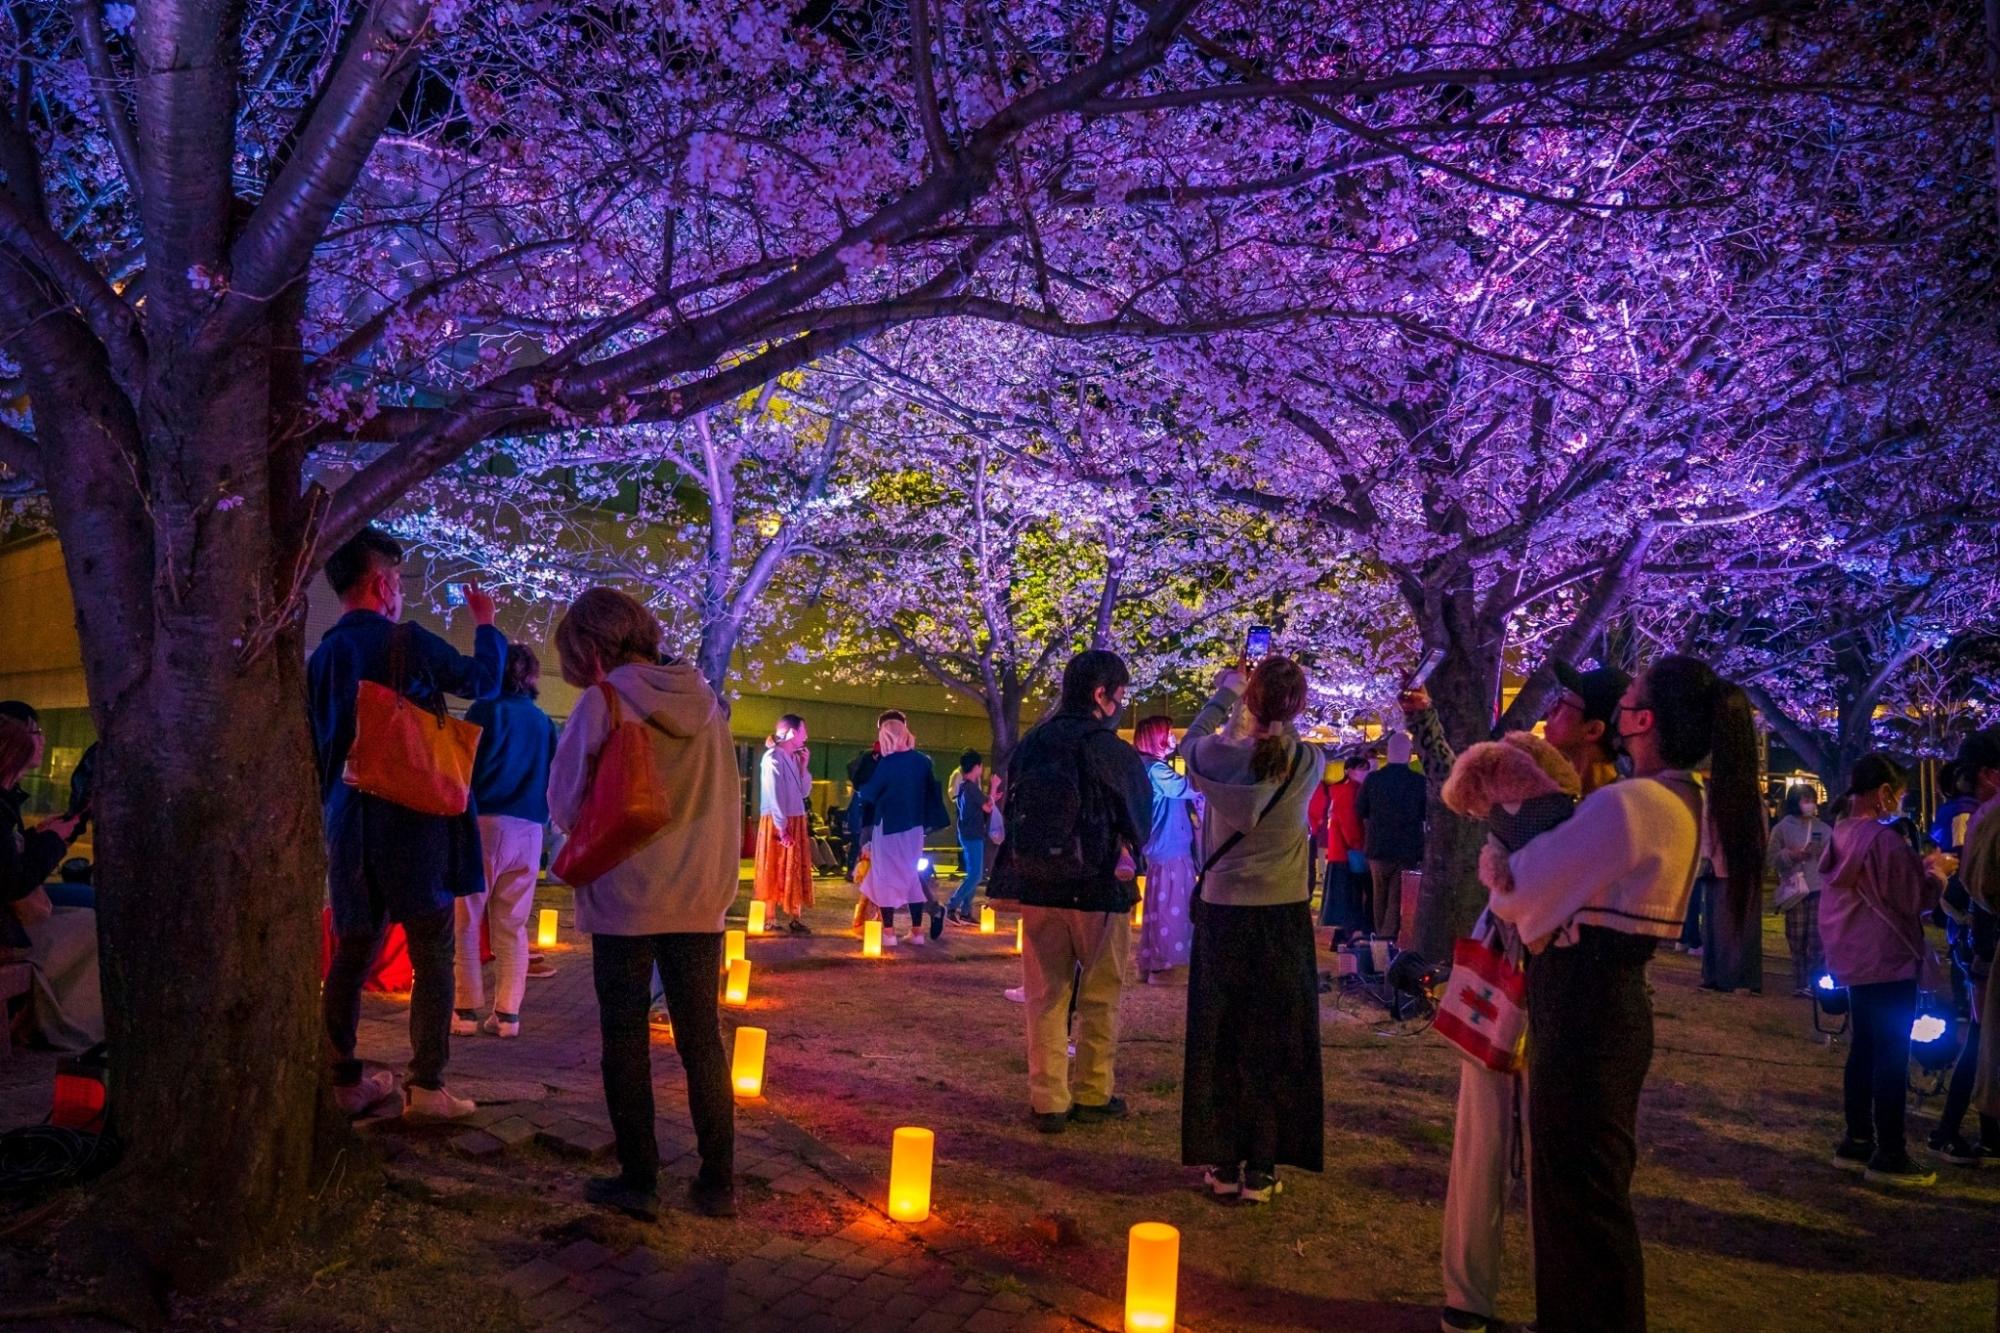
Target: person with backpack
<point x="1391" y="805"/>
<point x="1252" y="1099"/>
<point x="1592" y="898"/>
<point x="662" y="905"/>
<point x="387" y="862"/>
<point x="510" y="786"/>
<point x="1872" y="921"/>
<point x="1079" y="809"/>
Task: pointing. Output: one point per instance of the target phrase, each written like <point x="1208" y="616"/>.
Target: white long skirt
<point x="892" y="879"/>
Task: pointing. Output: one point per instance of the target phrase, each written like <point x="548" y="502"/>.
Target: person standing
<point x="1979" y="875"/>
<point x="784" y="873"/>
<point x="510" y="785"/>
<point x="1079" y="809"/>
<point x="662" y="907"/>
<point x="974" y="811"/>
<point x="1391" y="807"/>
<point x="58" y="941"/>
<point x="1166" y="928"/>
<point x="387" y="863"/>
<point x="1490" y="1128"/>
<point x="904" y="802"/>
<point x="1335" y="820"/>
<point x="1592" y="898"/>
<point x="1252" y="1099"/>
<point x="1798" y="841"/>
<point x="1871" y="917"/>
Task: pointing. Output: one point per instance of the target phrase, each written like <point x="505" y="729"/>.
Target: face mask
<point x="1808" y="810"/>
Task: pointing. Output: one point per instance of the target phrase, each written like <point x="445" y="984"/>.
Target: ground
<point x="483" y="1228"/>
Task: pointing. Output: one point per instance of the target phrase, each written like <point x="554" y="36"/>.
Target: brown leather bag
<point x="416" y="756"/>
<point x="624" y="805"/>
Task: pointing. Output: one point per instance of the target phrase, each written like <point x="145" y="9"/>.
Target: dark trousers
<point x="1691" y="928"/>
<point x="430" y="944"/>
<point x="1590" y="1043"/>
<point x="1878" y="1062"/>
<point x="622" y="968"/>
<point x="1958" y="1096"/>
<point x="916" y="911"/>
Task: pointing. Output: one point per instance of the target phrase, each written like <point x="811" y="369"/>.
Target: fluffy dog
<point x="1520" y="785"/>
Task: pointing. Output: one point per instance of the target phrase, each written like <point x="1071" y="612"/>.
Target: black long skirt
<point x="1250" y="1088"/>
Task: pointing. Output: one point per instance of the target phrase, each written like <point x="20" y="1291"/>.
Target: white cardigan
<point x="1624" y="861"/>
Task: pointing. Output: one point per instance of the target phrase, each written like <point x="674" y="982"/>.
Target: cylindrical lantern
<point x="747" y="1068"/>
<point x="910" y="1174"/>
<point x="545" y="928"/>
<point x="871" y="939"/>
<point x="738" y="989"/>
<point x="757" y="917"/>
<point x="1152" y="1277"/>
<point x="1020" y="935"/>
<point x="733" y="944"/>
<point x="986" y="921"/>
<point x="1139" y="914"/>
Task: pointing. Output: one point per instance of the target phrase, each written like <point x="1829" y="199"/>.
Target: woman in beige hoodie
<point x="662" y="906"/>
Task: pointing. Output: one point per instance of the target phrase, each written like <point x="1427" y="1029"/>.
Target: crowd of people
<point x="1222" y="838"/>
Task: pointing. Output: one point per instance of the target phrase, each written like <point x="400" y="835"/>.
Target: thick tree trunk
<point x="1003" y="718"/>
<point x="1462" y="691"/>
<point x="209" y="848"/>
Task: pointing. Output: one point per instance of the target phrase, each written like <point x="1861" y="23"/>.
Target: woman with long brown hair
<point x="1252" y="1099"/>
<point x="1592" y="898"/>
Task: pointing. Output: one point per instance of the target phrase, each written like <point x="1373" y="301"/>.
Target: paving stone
<point x="602" y="1280"/>
<point x="937" y="1321"/>
<point x="532" y="1279"/>
<point x="831" y="1286"/>
<point x="990" y="1321"/>
<point x="640" y="1261"/>
<point x="512" y="1130"/>
<point x="798" y="1307"/>
<point x="554" y="1303"/>
<point x="477" y="1144"/>
<point x="802" y="1269"/>
<point x="578" y="1138"/>
<point x="779" y="1247"/>
<point x="831" y="1249"/>
<point x="1011" y="1302"/>
<point x="580" y="1256"/>
<point x="767" y="1288"/>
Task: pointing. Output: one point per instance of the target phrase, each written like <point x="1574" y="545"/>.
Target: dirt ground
<point x="1745" y="1224"/>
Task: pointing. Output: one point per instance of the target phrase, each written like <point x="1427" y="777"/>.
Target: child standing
<point x="1871" y="922"/>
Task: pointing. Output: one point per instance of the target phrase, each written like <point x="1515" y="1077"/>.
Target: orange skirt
<point x="785" y="873"/>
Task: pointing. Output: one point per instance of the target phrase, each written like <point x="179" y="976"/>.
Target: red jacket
<point x="1332" y="818"/>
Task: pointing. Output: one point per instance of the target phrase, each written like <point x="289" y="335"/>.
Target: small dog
<point x="1520" y="785"/>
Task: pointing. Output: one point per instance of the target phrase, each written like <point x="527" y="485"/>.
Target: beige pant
<point x="1475" y="1200"/>
<point x="512" y="849"/>
<point x="1055" y="942"/>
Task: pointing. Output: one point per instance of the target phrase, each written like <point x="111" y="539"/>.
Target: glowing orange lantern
<point x="1138" y="914"/>
<point x="545" y="928"/>
<point x="738" y="990"/>
<point x="1020" y="935"/>
<point x="757" y="910"/>
<point x="733" y="946"/>
<point x="747" y="1067"/>
<point x="871" y="939"/>
<point x="1152" y="1277"/>
<point x="910" y="1174"/>
<point x="986" y="921"/>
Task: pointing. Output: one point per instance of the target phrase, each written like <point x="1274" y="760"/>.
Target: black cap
<point x="1980" y="750"/>
<point x="1600" y="689"/>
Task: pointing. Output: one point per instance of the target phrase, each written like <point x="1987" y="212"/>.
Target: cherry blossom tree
<point x="266" y="266"/>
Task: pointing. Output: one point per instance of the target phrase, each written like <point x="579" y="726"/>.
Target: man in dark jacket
<point x="1079" y="798"/>
<point x="1391" y="806"/>
<point x="386" y="862"/>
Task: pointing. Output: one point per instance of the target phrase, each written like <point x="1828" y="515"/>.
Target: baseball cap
<point x="1600" y="689"/>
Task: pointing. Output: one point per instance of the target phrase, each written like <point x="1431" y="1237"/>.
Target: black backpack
<point x="1057" y="826"/>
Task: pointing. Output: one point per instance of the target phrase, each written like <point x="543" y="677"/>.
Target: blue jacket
<point x="902" y="793"/>
<point x="516" y="742"/>
<point x="383" y="860"/>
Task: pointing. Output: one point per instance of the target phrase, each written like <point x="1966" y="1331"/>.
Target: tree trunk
<point x="1462" y="691"/>
<point x="1003" y="717"/>
<point x="209" y="846"/>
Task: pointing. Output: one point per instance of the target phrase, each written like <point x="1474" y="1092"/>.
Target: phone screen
<point x="454" y="594"/>
<point x="1257" y="644"/>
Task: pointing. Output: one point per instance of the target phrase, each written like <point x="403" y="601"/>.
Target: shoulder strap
<point x="1229" y="843"/>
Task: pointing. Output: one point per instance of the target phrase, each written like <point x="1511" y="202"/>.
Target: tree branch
<point x="88" y="16"/>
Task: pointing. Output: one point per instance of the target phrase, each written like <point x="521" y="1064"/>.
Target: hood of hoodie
<point x="1222" y="763"/>
<point x="673" y="694"/>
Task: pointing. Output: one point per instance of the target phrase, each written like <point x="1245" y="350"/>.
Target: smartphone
<point x="454" y="594"/>
<point x="1257" y="643"/>
<point x="1431" y="663"/>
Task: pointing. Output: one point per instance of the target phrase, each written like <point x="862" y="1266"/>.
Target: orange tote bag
<point x="624" y="805"/>
<point x="418" y="757"/>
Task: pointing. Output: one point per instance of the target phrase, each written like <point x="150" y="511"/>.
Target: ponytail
<point x="1274" y="696"/>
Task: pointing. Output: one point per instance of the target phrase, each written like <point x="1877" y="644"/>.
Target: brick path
<point x="542" y="1091"/>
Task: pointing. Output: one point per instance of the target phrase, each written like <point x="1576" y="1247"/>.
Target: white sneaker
<point x="915" y="938"/>
<point x="495" y="1026"/>
<point x="461" y="1026"/>
<point x="354" y="1100"/>
<point x="890" y="939"/>
<point x="435" y="1104"/>
<point x="1018" y="994"/>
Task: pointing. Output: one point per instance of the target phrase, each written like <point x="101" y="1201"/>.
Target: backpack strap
<point x="1229" y="843"/>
